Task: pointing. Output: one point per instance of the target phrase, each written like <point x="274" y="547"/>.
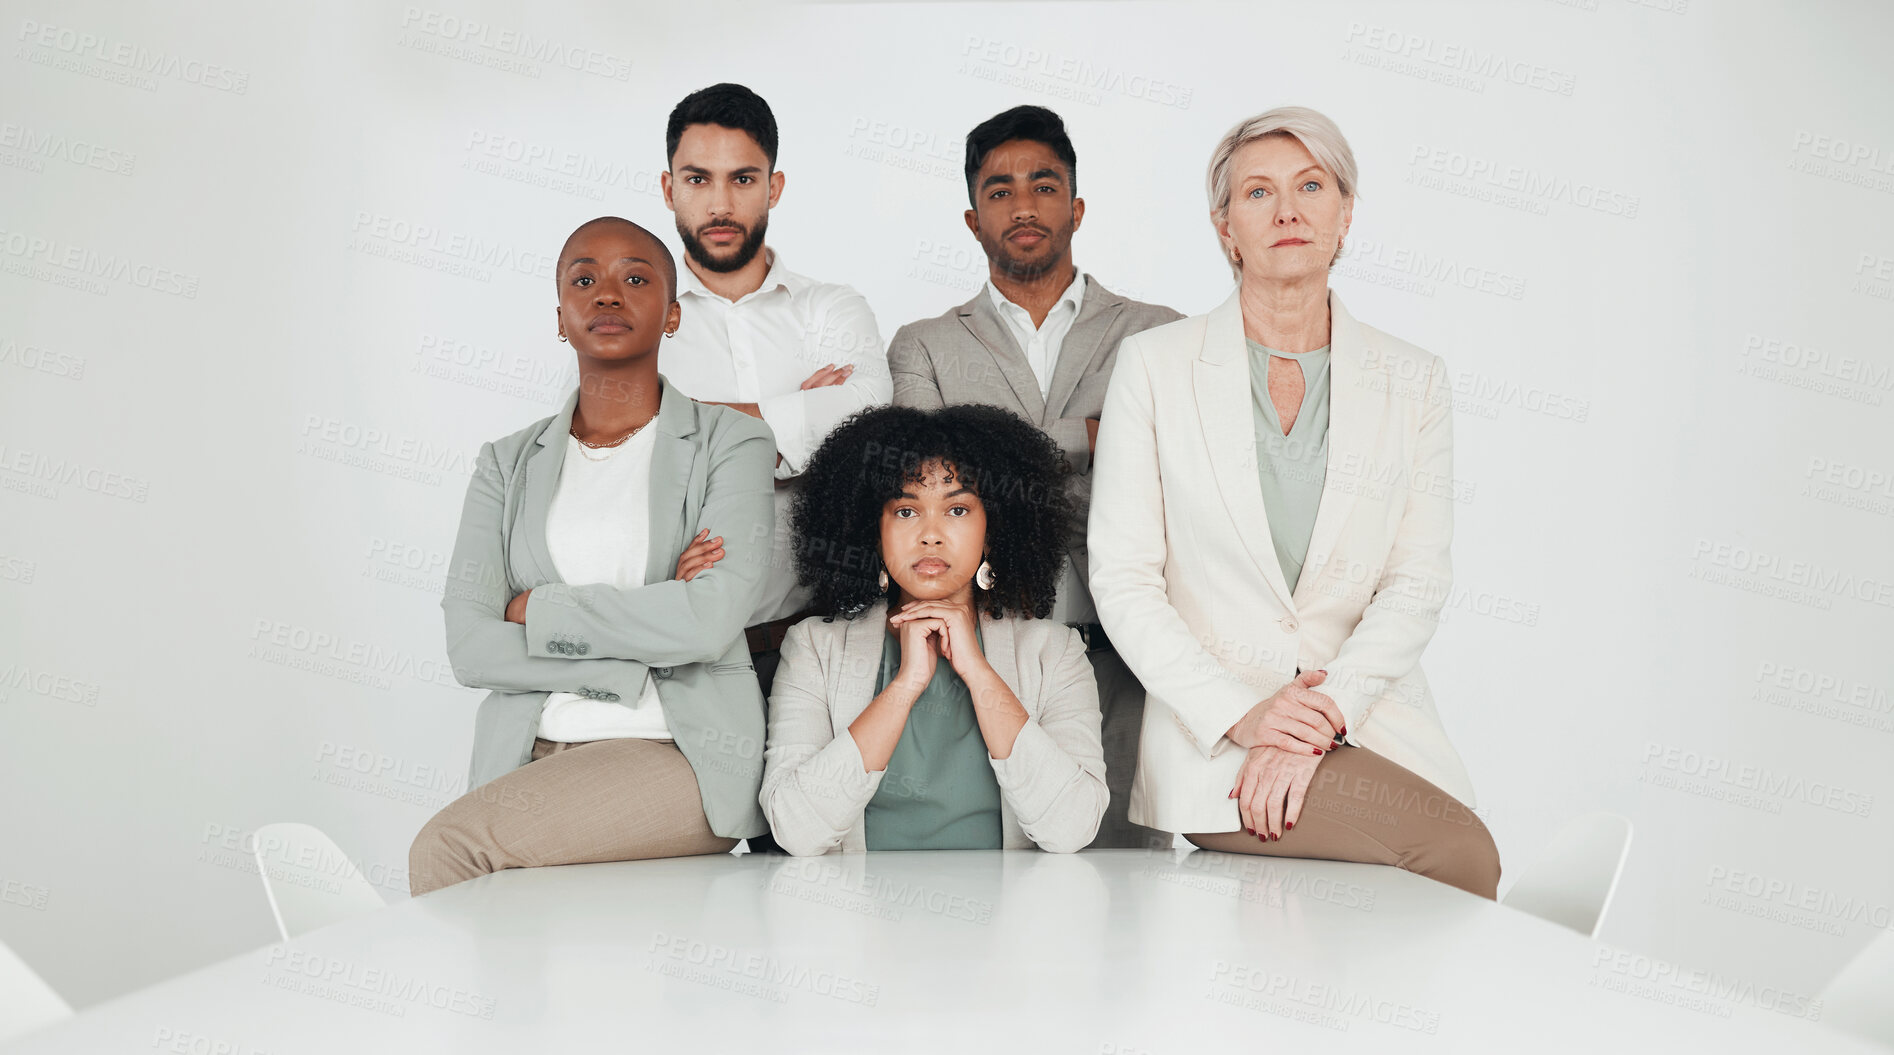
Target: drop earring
<point x="983" y="576"/>
<point x="883" y="580"/>
<point x="562" y="337"/>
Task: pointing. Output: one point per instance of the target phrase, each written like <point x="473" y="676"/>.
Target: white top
<point x="759" y="349"/>
<point x="793" y="954"/>
<point x="598" y="530"/>
<point x="1041" y="343"/>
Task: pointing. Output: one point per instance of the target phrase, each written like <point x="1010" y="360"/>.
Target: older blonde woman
<point x="1269" y="532"/>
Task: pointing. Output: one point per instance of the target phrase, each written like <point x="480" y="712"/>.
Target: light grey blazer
<point x="969" y="355"/>
<point x="712" y="467"/>
<point x="816" y="787"/>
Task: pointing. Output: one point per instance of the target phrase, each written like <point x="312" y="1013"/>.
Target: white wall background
<point x="230" y="471"/>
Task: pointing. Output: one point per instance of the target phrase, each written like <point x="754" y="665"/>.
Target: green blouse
<point x="1291" y="468"/>
<point x="939" y="791"/>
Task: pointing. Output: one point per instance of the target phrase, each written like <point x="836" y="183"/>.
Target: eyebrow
<point x="1305" y="168"/>
<point x="951" y="494"/>
<point x="747" y="170"/>
<point x="588" y="260"/>
<point x="1007" y="177"/>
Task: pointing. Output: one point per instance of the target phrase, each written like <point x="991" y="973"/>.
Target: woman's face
<point x="1286" y="215"/>
<point x="933" y="537"/>
<point x="615" y="302"/>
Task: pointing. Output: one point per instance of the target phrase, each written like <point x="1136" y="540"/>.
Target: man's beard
<point x="746" y="249"/>
<point x="1000" y="253"/>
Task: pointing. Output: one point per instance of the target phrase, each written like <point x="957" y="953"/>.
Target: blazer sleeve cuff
<point x="1036" y="773"/>
<point x="1210" y="718"/>
<point x="837" y="783"/>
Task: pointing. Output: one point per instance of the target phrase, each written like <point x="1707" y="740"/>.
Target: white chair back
<point x="1858" y="999"/>
<point x="309" y="881"/>
<point x="27" y="1003"/>
<point x="1571" y="883"/>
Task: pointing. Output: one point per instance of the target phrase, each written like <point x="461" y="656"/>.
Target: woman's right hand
<point x="1296" y="718"/>
<point x="920" y="650"/>
<point x="700" y="556"/>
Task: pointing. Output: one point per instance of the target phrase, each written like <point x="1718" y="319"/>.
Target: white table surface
<point x="1104" y="952"/>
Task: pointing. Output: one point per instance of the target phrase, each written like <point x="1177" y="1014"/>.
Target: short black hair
<point x="666" y="264"/>
<point x="726" y="104"/>
<point x="1021" y="122"/>
<point x="1015" y="469"/>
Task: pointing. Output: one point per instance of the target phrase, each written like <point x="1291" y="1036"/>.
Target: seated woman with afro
<point x="933" y="706"/>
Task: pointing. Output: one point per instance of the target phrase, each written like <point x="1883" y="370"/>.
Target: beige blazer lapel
<point x="677" y="474"/>
<point x="536" y="491"/>
<point x="858" y="665"/>
<point x="853" y="683"/>
<point x="1355" y="416"/>
<point x="984" y="322"/>
<point x="1083" y="344"/>
<point x="1221" y="377"/>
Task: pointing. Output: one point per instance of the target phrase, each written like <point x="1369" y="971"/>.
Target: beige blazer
<point x="1186" y="578"/>
<point x="969" y="355"/>
<point x="816" y="787"/>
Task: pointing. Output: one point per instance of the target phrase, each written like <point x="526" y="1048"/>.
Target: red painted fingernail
<point x="1317" y="750"/>
<point x="1250" y="830"/>
<point x="1291" y="825"/>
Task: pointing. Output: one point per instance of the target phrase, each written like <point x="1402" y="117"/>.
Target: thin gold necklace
<point x="614" y="443"/>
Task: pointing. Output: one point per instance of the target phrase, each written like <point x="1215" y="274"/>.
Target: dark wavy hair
<point x="728" y="105"/>
<point x="1035" y="123"/>
<point x="871" y="458"/>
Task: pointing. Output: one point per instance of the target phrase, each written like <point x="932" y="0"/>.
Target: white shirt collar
<point x="777" y="276"/>
<point x="1074" y="294"/>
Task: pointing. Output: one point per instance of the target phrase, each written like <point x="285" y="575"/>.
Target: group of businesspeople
<point x="1057" y="568"/>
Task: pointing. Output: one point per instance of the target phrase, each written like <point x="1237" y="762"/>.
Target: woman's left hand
<point x="960" y="645"/>
<point x="516" y="609"/>
<point x="1270" y="789"/>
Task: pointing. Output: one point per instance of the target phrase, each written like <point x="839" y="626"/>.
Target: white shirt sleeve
<point x="845" y="329"/>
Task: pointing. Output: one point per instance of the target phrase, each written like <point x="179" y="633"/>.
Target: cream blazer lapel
<point x="1356" y="412"/>
<point x="1221" y="377"/>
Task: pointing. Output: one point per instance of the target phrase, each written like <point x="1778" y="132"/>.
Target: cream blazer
<point x="1186" y="578"/>
<point x="816" y="787"/>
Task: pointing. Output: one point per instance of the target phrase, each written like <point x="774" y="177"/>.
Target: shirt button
<point x="1289" y="624"/>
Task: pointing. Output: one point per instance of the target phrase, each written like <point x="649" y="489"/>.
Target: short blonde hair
<point x="1312" y="128"/>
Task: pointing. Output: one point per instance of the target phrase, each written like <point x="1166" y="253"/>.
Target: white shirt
<point x="598" y="530"/>
<point x="759" y="349"/>
<point x="1041" y="343"/>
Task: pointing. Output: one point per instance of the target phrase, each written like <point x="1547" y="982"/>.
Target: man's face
<point x="1024" y="213"/>
<point x="722" y="190"/>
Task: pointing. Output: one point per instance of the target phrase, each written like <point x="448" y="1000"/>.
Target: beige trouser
<point x="601" y="800"/>
<point x="1362" y="807"/>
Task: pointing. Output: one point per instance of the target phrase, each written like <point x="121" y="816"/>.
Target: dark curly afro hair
<point x="870" y="459"/>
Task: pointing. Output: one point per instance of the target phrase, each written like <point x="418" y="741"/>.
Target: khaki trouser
<point x="1362" y="807"/>
<point x="601" y="800"/>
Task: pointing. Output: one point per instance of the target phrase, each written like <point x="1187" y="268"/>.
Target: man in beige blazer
<point x="1040" y="339"/>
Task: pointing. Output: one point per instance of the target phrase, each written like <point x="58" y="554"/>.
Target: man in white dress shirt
<point x="800" y="354"/>
<point x="1040" y="339"/>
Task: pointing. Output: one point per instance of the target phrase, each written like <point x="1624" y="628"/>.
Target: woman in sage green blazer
<point x="943" y="710"/>
<point x="623" y="718"/>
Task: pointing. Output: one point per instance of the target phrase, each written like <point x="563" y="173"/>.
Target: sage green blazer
<point x="712" y="467"/>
